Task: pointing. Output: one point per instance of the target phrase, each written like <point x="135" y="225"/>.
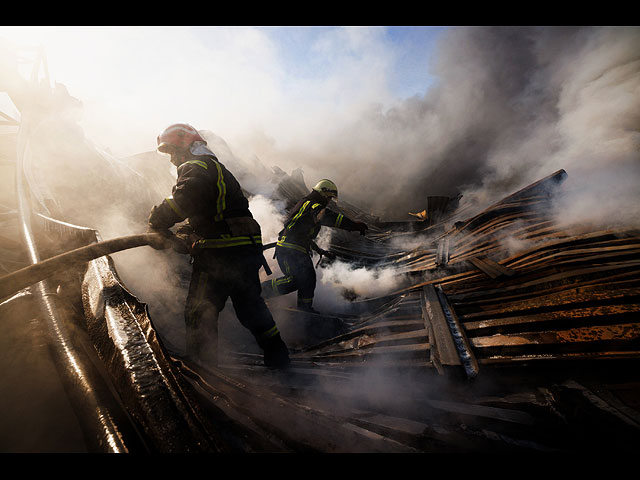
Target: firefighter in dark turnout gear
<point x="296" y="240"/>
<point x="225" y="243"/>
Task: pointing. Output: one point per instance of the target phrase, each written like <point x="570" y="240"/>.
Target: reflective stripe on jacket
<point x="305" y="220"/>
<point x="208" y="195"/>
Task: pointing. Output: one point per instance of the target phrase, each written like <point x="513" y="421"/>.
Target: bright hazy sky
<point x="284" y="81"/>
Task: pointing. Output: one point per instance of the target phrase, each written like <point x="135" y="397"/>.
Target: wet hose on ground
<point x="25" y="277"/>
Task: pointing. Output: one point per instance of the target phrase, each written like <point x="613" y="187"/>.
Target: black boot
<point x="276" y="354"/>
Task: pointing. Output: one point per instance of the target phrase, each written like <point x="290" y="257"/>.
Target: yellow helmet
<point x="326" y="188"/>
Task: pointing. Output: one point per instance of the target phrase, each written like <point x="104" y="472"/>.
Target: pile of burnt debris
<point x="482" y="350"/>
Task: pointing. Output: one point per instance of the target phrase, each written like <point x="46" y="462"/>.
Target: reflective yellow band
<point x="174" y="206"/>
<point x="199" y="163"/>
<point x="339" y="219"/>
<point x="222" y="194"/>
<point x="273" y="331"/>
<point x="299" y="214"/>
<point x="306" y="300"/>
<point x="292" y="246"/>
<point x="228" y="242"/>
<point x="315" y="205"/>
<point x="280" y="281"/>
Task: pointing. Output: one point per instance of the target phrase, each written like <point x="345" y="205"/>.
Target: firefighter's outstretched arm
<point x="333" y="219"/>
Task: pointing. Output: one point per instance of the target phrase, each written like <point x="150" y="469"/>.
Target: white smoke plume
<point x="341" y="282"/>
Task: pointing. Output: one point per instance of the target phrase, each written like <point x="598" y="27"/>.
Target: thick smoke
<point x="511" y="106"/>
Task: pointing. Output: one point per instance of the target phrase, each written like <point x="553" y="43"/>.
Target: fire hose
<point x="27" y="276"/>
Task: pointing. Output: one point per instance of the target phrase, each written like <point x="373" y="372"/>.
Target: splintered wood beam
<point x="443" y="348"/>
<point x="491" y="268"/>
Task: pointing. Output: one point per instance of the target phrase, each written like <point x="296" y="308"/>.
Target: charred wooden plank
<point x="503" y="358"/>
<point x="617" y="313"/>
<point x="628" y="332"/>
<point x="419" y="349"/>
<point x="507" y="415"/>
<point x="574" y="296"/>
<point x="491" y="268"/>
<point x="401" y="326"/>
<point x="563" y="244"/>
<point x="486" y="299"/>
<point x="610" y="276"/>
<point x="364" y="342"/>
<point x="586" y="255"/>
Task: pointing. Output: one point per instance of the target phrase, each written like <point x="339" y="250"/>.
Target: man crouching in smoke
<point x="226" y="245"/>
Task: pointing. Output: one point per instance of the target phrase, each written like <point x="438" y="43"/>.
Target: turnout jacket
<point x="211" y="198"/>
<point x="305" y="220"/>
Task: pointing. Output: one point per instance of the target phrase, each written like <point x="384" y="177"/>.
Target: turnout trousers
<point x="219" y="274"/>
<point x="298" y="275"/>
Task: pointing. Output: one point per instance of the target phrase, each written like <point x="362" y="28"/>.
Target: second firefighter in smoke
<point x="296" y="241"/>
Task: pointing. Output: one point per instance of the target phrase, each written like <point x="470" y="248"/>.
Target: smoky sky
<point x="511" y="105"/>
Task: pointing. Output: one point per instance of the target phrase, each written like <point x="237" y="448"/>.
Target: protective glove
<point x="329" y="255"/>
<point x="165" y="232"/>
<point x="179" y="245"/>
<point x="185" y="239"/>
<point x="325" y="254"/>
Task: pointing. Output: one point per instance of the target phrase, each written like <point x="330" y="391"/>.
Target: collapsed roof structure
<point x="485" y="347"/>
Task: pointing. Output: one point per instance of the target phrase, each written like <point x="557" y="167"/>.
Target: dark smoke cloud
<point x="511" y="105"/>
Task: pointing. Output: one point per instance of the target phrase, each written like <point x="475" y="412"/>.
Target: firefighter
<point x="296" y="240"/>
<point x="225" y="243"/>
